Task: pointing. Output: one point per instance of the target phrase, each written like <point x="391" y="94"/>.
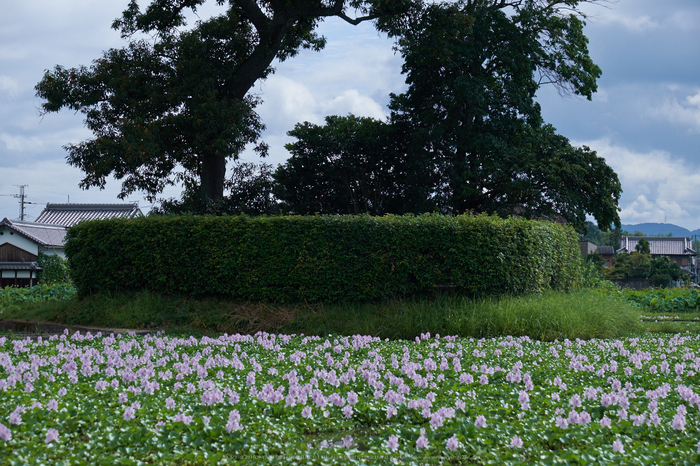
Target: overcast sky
<point x="644" y="120"/>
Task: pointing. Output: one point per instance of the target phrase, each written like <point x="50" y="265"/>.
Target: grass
<point x="546" y="316"/>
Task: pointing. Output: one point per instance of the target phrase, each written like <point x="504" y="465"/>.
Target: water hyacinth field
<point x="280" y="399"/>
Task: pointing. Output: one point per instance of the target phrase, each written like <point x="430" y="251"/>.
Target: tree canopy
<point x="174" y="105"/>
<point x="177" y="106"/>
<point x="469" y="124"/>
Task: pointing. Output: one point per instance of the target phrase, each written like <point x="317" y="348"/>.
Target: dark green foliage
<point x="322" y="258"/>
<point x="54" y="269"/>
<point x="251" y="189"/>
<point x="176" y="107"/>
<point x="473" y="69"/>
<point x="660" y="271"/>
<point x="680" y="300"/>
<point x="603" y="238"/>
<point x="643" y="247"/>
<point x="14" y="296"/>
<point x="352" y="165"/>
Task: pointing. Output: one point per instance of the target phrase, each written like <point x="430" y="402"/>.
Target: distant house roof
<point x="50" y="236"/>
<point x="68" y="215"/>
<point x="606" y="250"/>
<point x="587" y="247"/>
<point x="660" y="245"/>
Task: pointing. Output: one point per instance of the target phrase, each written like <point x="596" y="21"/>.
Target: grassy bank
<point x="547" y="316"/>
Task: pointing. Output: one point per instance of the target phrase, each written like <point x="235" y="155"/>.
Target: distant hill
<point x="653" y="229"/>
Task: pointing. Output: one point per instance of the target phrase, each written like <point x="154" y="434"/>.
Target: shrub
<point x="660" y="271"/>
<point x="54" y="269"/>
<point x="322" y="258"/>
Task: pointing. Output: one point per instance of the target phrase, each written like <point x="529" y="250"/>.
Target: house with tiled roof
<point x="678" y="249"/>
<point x="606" y="252"/>
<point x="21" y="242"/>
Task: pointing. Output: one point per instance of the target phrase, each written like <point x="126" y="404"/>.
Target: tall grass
<point x="546" y="316"/>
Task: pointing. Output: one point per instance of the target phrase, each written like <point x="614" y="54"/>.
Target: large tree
<point x="469" y="123"/>
<point x="473" y="69"/>
<point x="177" y="106"/>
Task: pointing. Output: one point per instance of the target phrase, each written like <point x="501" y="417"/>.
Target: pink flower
<point x="51" y="436"/>
<point x="422" y="441"/>
<point x="452" y="443"/>
<point x="605" y="421"/>
<point x="52" y="405"/>
<point x="618" y="447"/>
<point x="184" y="418"/>
<point x="516" y="442"/>
<point x="6" y="434"/>
<point x="15" y="418"/>
<point x="169" y="403"/>
<point x="678" y="422"/>
<point x="393" y="443"/>
<point x="562" y="423"/>
<point x="347" y="441"/>
<point x="233" y="421"/>
<point x="129" y="413"/>
<point x="306" y="412"/>
<point x="347" y="411"/>
<point x="484" y="379"/>
<point x="480" y="421"/>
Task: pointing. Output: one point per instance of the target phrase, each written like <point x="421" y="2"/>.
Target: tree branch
<point x="356" y="21"/>
<point x="254" y="13"/>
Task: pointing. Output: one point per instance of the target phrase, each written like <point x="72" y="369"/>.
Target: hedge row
<point x="322" y="258"/>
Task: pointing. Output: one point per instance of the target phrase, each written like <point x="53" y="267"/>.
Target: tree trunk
<point x="212" y="176"/>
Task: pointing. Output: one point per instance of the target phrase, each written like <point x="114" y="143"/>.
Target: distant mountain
<point x="654" y="229"/>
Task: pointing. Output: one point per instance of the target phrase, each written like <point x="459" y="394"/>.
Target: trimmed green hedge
<point x="322" y="258"/>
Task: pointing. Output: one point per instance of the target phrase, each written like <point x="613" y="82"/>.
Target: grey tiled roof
<point x="660" y="245"/>
<point x="606" y="250"/>
<point x="50" y="236"/>
<point x="70" y="214"/>
<point x="19" y="266"/>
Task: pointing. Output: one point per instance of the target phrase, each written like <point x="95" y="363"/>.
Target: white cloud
<point x="685" y="112"/>
<point x="656" y="186"/>
<point x="351" y="101"/>
<point x="8" y="87"/>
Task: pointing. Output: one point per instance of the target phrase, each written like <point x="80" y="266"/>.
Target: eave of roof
<point x="19" y="266"/>
<point x="54" y="236"/>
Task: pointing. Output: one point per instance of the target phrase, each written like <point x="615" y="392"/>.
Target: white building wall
<point x="56" y="251"/>
<point x="9" y="236"/>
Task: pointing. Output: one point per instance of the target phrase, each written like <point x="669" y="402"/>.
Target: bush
<point x="660" y="271"/>
<point x="11" y="296"/>
<point x="680" y="300"/>
<point x="322" y="258"/>
<point x="54" y="269"/>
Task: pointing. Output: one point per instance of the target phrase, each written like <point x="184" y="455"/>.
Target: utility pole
<point x="21" y="198"/>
